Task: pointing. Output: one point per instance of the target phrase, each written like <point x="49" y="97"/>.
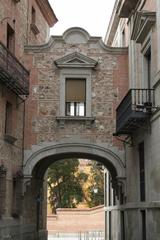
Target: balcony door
<point x="147" y="69"/>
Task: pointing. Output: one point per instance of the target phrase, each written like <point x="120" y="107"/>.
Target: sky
<point x="92" y="15"/>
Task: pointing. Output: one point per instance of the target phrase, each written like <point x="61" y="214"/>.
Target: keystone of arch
<point x="92" y="150"/>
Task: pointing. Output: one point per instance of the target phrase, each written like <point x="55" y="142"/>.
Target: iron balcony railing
<point x="134" y="109"/>
<point x="12" y="73"/>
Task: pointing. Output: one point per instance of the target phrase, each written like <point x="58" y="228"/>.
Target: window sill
<point x="10" y="139"/>
<point x="62" y="119"/>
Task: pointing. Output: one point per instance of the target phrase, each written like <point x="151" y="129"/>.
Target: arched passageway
<point x="38" y="160"/>
<point x="41" y="157"/>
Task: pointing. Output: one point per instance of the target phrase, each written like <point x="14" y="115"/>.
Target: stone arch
<point x="39" y="159"/>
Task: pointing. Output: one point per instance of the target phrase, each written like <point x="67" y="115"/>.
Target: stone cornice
<point x="47" y="12"/>
<point x="143" y="22"/>
<point x="112" y="26"/>
<point x="61" y="39"/>
<point x="126" y="7"/>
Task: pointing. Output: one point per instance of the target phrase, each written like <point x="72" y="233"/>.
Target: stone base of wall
<point x="13" y="229"/>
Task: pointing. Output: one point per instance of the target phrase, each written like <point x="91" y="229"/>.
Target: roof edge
<point x="47" y="12"/>
<point x="113" y="24"/>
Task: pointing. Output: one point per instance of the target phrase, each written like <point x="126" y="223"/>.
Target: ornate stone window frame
<point x="75" y="66"/>
<point x="75" y="74"/>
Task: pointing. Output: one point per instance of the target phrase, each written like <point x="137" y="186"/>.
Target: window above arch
<point x="75" y="86"/>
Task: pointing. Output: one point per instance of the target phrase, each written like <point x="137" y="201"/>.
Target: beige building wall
<point x="141" y="220"/>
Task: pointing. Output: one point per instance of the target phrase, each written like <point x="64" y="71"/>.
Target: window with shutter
<point x="75" y="97"/>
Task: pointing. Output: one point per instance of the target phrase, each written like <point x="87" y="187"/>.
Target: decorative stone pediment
<point x="76" y="35"/>
<point x="143" y="23"/>
<point x="75" y="60"/>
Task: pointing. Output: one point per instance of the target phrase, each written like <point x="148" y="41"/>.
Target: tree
<point x="65" y="184"/>
<point x="95" y="190"/>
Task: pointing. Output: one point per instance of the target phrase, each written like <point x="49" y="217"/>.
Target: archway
<point x="41" y="157"/>
<point x="38" y="159"/>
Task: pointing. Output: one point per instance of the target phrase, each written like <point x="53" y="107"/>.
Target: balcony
<point x="12" y="73"/>
<point x="134" y="110"/>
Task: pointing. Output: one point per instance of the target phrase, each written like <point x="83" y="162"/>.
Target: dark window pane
<point x="8" y="120"/>
<point x="143" y="217"/>
<point x="142" y="171"/>
<point x="10" y="39"/>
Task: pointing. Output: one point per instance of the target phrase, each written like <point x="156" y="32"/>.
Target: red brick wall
<point x="10" y="154"/>
<point x="18" y="16"/>
<point x="76" y="220"/>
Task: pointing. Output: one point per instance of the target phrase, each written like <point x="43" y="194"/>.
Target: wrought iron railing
<point x="88" y="235"/>
<point x="12" y="73"/>
<point x="136" y="101"/>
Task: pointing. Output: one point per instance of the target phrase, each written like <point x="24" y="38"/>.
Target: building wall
<point x="121" y="36"/>
<point x="42" y="25"/>
<point x="45" y="122"/>
<point x="76" y="220"/>
<point x="149" y="133"/>
<point x="11" y="154"/>
<point x="18" y="15"/>
<point x="108" y="85"/>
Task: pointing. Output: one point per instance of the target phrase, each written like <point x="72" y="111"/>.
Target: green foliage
<point x="96" y="188"/>
<point x="65" y="184"/>
<point x="68" y="186"/>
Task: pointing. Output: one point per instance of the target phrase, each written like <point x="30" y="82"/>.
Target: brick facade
<point x="19" y="16"/>
<point x="48" y="131"/>
<point x="108" y="85"/>
<point x="15" y="32"/>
